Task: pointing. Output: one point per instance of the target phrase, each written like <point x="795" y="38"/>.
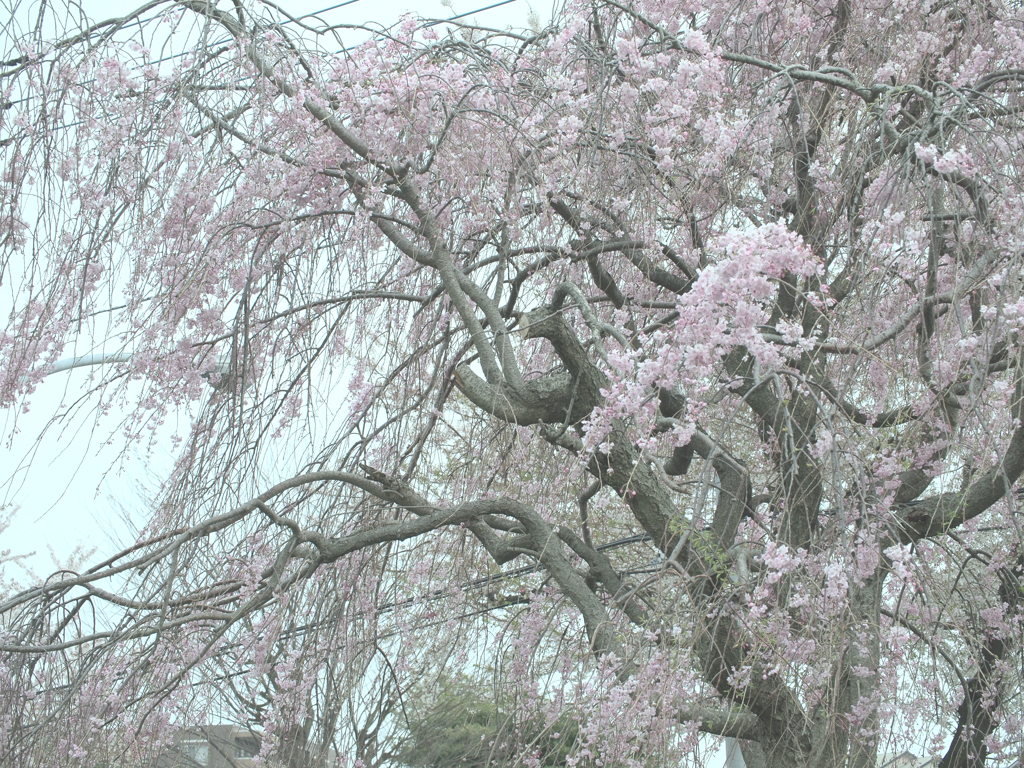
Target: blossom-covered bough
<point x="658" y="367"/>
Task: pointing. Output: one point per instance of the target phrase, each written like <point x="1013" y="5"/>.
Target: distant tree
<point x="665" y="359"/>
<point x="460" y="726"/>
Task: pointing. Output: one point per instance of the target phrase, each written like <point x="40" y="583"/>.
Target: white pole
<point x="78" y="362"/>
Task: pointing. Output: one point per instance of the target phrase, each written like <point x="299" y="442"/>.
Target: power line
<point x="470" y="13"/>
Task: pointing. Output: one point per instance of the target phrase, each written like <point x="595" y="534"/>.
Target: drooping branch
<point x="976" y="719"/>
<point x="937" y="515"/>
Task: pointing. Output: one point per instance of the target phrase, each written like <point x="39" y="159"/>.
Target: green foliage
<point x="460" y="726"/>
